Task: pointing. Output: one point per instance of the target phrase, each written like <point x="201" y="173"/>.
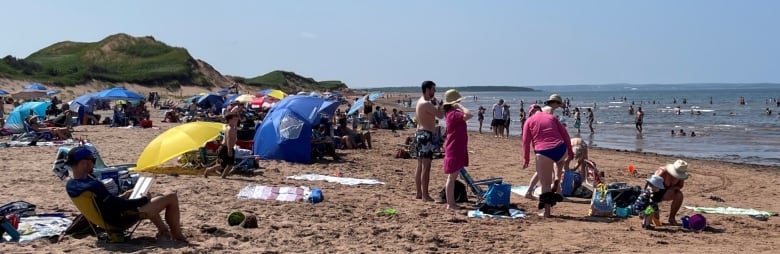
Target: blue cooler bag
<point x="498" y="195"/>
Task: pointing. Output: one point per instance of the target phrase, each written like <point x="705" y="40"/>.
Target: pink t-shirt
<point x="546" y="132"/>
<point x="456" y="155"/>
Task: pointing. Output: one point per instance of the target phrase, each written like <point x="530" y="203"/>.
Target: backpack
<point x="460" y="193"/>
<point x="20" y="208"/>
<point x="498" y="195"/>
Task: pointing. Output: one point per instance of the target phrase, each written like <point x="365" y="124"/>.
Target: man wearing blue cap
<point x="115" y="208"/>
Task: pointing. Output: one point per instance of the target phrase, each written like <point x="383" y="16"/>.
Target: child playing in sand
<point x="654" y="185"/>
<point x="456" y="155"/>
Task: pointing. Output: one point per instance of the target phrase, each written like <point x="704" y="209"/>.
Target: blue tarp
<point x="285" y="134"/>
<point x="15" y="120"/>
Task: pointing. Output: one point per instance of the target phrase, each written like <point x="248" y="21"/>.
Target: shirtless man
<point x="640" y="116"/>
<point x="674" y="176"/>
<point x="226" y="155"/>
<point x="428" y="109"/>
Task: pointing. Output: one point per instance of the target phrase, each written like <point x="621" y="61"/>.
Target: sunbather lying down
<point x="59" y="133"/>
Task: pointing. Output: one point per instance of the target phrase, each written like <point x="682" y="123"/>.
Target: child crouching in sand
<point x="654" y="185"/>
<point x="456" y="155"/>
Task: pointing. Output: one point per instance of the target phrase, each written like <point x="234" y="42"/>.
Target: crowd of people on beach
<point x="545" y="135"/>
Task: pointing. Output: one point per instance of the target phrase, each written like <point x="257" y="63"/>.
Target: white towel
<point x="334" y="179"/>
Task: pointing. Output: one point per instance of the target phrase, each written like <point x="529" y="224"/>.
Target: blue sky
<point x="393" y="43"/>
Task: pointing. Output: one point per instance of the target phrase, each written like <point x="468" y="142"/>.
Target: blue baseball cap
<point x="78" y="154"/>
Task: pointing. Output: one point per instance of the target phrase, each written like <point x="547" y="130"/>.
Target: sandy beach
<point x="346" y="221"/>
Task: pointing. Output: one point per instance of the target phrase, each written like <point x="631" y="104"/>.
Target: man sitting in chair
<point x="117" y="210"/>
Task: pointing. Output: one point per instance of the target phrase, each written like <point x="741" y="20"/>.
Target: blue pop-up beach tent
<point x="15" y="120"/>
<point x="285" y="134"/>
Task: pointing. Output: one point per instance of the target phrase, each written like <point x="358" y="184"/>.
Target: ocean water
<point x="725" y="129"/>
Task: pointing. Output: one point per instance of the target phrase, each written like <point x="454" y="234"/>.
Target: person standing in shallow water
<point x="427" y="111"/>
<point x="640" y="115"/>
<point x="591" y="118"/>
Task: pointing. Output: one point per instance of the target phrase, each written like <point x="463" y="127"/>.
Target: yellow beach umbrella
<point x="245" y="98"/>
<point x="177" y="141"/>
<point x="277" y="94"/>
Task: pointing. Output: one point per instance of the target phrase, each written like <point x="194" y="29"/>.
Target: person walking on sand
<point x="426" y="112"/>
<point x="640" y="115"/>
<point x="225" y="154"/>
<point x="456" y="155"/>
<point x="551" y="144"/>
<point x="498" y="119"/>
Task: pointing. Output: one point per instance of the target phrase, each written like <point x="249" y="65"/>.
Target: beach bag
<point x="601" y="205"/>
<point x="498" y="195"/>
<point x="20" y="208"/>
<point x="460" y="193"/>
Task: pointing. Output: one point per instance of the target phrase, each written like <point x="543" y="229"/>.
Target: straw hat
<point x="679" y="169"/>
<point x="554" y="97"/>
<point x="452" y="96"/>
<point x="656" y="181"/>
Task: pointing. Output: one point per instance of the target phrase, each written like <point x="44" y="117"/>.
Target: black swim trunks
<point x="425" y="145"/>
<point x="224" y="159"/>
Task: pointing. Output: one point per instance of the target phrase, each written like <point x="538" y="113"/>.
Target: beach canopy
<point x="35" y="86"/>
<point x="285" y="134"/>
<point x="360" y="102"/>
<point x="177" y="141"/>
<point x="209" y="100"/>
<point x="15" y="120"/>
<point x="118" y="93"/>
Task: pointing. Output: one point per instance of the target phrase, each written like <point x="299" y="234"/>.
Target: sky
<point x="369" y="43"/>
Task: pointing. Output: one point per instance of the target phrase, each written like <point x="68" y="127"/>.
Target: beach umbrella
<point x="118" y="93"/>
<point x="314" y="94"/>
<point x="35" y="86"/>
<point x="206" y="101"/>
<point x="278" y="94"/>
<point x="16" y="117"/>
<point x="374" y="96"/>
<point x="244" y="98"/>
<point x="30" y="94"/>
<point x="177" y="141"/>
<point x="3" y="92"/>
<point x="84" y="100"/>
<point x="52" y="92"/>
<point x="355" y="107"/>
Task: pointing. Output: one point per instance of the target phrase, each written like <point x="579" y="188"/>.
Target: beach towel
<point x="730" y="211"/>
<point x="68" y="142"/>
<point x="514" y="214"/>
<point x="334" y="179"/>
<point x="283" y="193"/>
<point x="35" y="227"/>
<point x="522" y="189"/>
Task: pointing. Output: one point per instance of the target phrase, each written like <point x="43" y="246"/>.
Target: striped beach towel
<point x="282" y="193"/>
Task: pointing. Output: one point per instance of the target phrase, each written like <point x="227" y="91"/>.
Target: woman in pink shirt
<point x="456" y="155"/>
<point x="551" y="144"/>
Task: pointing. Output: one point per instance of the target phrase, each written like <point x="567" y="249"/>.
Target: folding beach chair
<point x="474" y="185"/>
<point x="87" y="205"/>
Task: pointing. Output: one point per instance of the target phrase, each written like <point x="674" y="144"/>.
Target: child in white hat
<point x="654" y="186"/>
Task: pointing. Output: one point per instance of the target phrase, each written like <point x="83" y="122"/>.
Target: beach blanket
<point x="514" y="214"/>
<point x="273" y="193"/>
<point x="730" y="211"/>
<point x="34" y="227"/>
<point x="68" y="142"/>
<point x="334" y="179"/>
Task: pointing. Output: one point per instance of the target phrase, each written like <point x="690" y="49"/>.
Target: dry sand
<point x="346" y="221"/>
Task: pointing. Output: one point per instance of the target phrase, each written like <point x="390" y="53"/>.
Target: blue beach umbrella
<point x="35" y="86"/>
<point x="3" y="92"/>
<point x="374" y="96"/>
<point x="52" y="92"/>
<point x="84" y="100"/>
<point x="118" y="93"/>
